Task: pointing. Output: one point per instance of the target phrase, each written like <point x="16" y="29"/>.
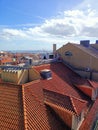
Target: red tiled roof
<point x="61" y="80"/>
<point x="84" y="82"/>
<point x="94" y="84"/>
<point x="86" y="90"/>
<point x="64" y="114"/>
<point x="68" y="102"/>
<point x="24" y="106"/>
<point x="11" y="110"/>
<point x="37" y="117"/>
<point x="85" y="85"/>
<point x="61" y="83"/>
<point x="91" y="117"/>
<point x="5" y="59"/>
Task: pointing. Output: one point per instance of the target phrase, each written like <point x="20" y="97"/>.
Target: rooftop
<point x="11" y="109"/>
<point x="65" y="101"/>
<point x="29" y="106"/>
<point x="61" y="81"/>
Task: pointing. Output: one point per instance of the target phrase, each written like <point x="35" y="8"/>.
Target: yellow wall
<point x="79" y="58"/>
<point x="33" y="74"/>
<point x="9" y="76"/>
<point x="18" y="77"/>
<point x="21" y="76"/>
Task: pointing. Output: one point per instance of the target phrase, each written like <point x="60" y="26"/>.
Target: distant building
<point x="5" y="60"/>
<point x="82" y="57"/>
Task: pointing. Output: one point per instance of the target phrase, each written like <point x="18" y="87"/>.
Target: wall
<point x="78" y="58"/>
<point x="18" y="77"/>
<point x="83" y="74"/>
<point x="33" y="74"/>
<point x="77" y="121"/>
<point x="95" y="76"/>
<point x="81" y="58"/>
<point x="23" y="77"/>
<point x="9" y="76"/>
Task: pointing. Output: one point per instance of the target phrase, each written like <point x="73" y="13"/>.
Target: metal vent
<point x="46" y="74"/>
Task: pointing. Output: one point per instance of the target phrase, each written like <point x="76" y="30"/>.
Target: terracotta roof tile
<point x="86" y="90"/>
<point x="11" y="113"/>
<point x="84" y="82"/>
<point x="64" y="114"/>
<point x="37" y="116"/>
<point x="61" y="81"/>
<point x="22" y="107"/>
<point x="90" y="118"/>
<point x="78" y="104"/>
<point x="74" y="105"/>
<point x="94" y="84"/>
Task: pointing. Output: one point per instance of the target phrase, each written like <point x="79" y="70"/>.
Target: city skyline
<point x="37" y="25"/>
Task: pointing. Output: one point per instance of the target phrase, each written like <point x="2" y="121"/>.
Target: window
<point x="68" y="53"/>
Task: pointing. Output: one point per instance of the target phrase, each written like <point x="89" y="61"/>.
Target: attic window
<point x="68" y="53"/>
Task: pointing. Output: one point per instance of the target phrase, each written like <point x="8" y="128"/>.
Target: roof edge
<point x="73" y="105"/>
<point x="24" y="109"/>
<point x="90" y="82"/>
<point x="32" y="82"/>
<point x="83" y="101"/>
<point x="85" y="50"/>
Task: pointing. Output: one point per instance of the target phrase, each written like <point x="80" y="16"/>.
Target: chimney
<point x="96" y="41"/>
<point x="85" y="43"/>
<point x="54" y="48"/>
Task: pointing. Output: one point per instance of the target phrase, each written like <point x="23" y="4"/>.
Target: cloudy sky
<point x="38" y="24"/>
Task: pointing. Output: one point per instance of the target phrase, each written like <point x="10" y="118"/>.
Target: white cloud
<point x="80" y="22"/>
<point x="14" y="32"/>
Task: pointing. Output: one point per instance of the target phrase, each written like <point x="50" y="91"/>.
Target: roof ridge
<point x="24" y="108"/>
<point x="63" y="94"/>
<point x="80" y="100"/>
<point x="71" y="99"/>
<point x="89" y="81"/>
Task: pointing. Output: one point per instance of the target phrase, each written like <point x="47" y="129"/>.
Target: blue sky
<point x="37" y="24"/>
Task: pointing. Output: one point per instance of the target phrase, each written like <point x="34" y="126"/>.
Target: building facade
<point x="83" y="59"/>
